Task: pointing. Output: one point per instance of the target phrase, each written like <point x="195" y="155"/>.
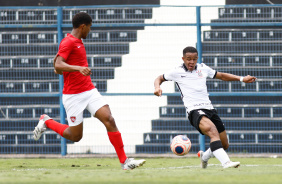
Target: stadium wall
<point x="75" y="3"/>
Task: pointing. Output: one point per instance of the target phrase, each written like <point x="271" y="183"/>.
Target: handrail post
<point x="199" y="48"/>
<point x="61" y="79"/>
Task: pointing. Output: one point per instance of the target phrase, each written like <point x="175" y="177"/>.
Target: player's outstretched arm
<point x="158" y="81"/>
<point x="231" y="77"/>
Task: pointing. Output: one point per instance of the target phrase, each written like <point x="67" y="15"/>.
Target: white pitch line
<point x="188" y="166"/>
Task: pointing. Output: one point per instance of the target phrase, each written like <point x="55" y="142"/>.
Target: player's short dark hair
<point x="189" y="49"/>
<point x="81" y="18"/>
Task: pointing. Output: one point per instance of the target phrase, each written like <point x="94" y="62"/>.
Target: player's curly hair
<point x="81" y="18"/>
<point x="189" y="49"/>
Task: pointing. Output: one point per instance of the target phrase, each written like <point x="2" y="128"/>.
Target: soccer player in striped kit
<point x="190" y="77"/>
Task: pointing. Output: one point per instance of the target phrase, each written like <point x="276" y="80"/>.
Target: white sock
<point x="207" y="155"/>
<point x="221" y="155"/>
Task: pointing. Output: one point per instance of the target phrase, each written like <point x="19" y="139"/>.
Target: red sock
<point x="57" y="127"/>
<point x="116" y="140"/>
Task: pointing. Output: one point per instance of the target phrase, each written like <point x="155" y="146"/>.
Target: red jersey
<point x="73" y="51"/>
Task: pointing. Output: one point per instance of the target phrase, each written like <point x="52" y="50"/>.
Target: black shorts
<point x="195" y="117"/>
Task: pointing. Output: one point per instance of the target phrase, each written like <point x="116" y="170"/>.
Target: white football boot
<point x="204" y="163"/>
<point x="130" y="163"/>
<point x="231" y="164"/>
<point x="41" y="127"/>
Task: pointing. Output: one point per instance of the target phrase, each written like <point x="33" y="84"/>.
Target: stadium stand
<point x="253" y="123"/>
<point x="26" y="67"/>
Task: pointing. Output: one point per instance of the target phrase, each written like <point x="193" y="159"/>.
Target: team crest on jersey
<point x="73" y="118"/>
<point x="199" y="73"/>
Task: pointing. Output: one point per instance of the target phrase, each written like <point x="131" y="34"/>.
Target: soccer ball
<point x="180" y="145"/>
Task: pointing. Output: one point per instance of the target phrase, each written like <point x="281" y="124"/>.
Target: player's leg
<point x="224" y="140"/>
<point x="73" y="133"/>
<point x="105" y="116"/>
<point x="205" y="156"/>
<point x="208" y="128"/>
<point x="99" y="108"/>
<point x="74" y="105"/>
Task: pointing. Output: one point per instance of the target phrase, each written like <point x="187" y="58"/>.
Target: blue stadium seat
<point x="173" y="112"/>
<point x="269" y="137"/>
<point x="5" y="63"/>
<point x="172" y="125"/>
<point x="277" y="111"/>
<point x="42" y="62"/>
<point x="249" y="12"/>
<point x="257" y="112"/>
<point x="255" y="124"/>
<point x="22" y="113"/>
<point x="217" y="86"/>
<point x="28" y="100"/>
<point x="241" y="138"/>
<point x="37" y="16"/>
<point x="176" y="100"/>
<point x="31" y="149"/>
<point x="38" y="87"/>
<point x="240" y="48"/>
<point x="254" y="148"/>
<point x="213" y="61"/>
<point x="51" y="49"/>
<point x="241" y="99"/>
<point x="27" y="112"/>
<point x="221" y="61"/>
<point x="105" y="61"/>
<point x="246" y="87"/>
<point x="230" y="124"/>
<point x="29" y="37"/>
<point x="229" y="111"/>
<point x="139" y="13"/>
<point x="7" y="139"/>
<point x="277" y="60"/>
<point x="11" y="87"/>
<point x="166" y="137"/>
<point x="28" y="139"/>
<point x="266" y="73"/>
<point x="270" y="86"/>
<point x="24" y="62"/>
<point x="20" y="124"/>
<point x="53" y="112"/>
<point x="112" y="36"/>
<point x="111" y="14"/>
<point x="48" y="74"/>
<point x="242" y="35"/>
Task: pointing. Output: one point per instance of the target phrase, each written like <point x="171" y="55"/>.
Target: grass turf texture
<point x="156" y="170"/>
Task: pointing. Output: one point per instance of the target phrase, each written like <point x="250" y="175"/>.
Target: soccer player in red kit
<point x="79" y="93"/>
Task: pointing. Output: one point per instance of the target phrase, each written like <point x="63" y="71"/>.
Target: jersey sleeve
<point x="65" y="48"/>
<point x="170" y="75"/>
<point x="211" y="72"/>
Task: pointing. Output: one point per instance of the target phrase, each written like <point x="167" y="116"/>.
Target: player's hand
<point x="85" y="71"/>
<point x="249" y="79"/>
<point x="158" y="91"/>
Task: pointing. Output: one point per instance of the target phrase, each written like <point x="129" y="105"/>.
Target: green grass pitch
<point x="156" y="170"/>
